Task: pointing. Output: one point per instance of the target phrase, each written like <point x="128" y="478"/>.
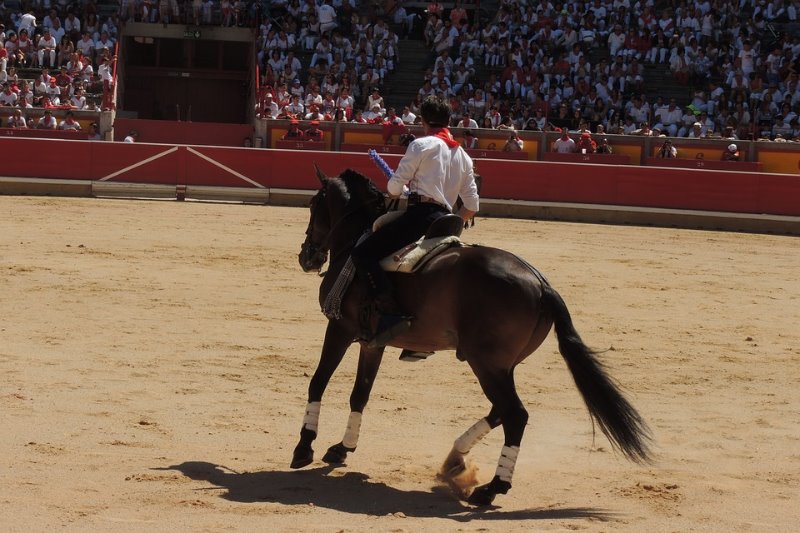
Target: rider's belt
<point x="415" y="198"/>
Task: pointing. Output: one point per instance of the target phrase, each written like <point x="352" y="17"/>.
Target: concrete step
<point x="408" y="76"/>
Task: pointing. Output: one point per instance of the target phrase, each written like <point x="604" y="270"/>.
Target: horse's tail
<point x="617" y="418"/>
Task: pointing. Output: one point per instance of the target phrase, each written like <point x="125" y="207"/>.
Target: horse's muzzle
<point x="312" y="257"/>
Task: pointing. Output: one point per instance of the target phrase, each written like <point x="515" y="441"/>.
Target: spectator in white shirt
<point x="408" y="117"/>
<point x="467" y="121"/>
<point x="47" y="48"/>
<point x="86" y="45"/>
<point x="27" y="22"/>
<point x="69" y="123"/>
<point x="78" y="100"/>
<point x="8" y="98"/>
<point x="565" y="144"/>
<point x="72" y="24"/>
<point x="48" y="121"/>
<point x="326" y="15"/>
<point x="668" y="119"/>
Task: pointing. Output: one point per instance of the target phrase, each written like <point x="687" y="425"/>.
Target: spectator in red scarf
<point x="586" y="144"/>
<point x="392" y="125"/>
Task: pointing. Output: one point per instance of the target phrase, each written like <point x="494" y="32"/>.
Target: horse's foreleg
<point x="500" y="389"/>
<point x="369" y="361"/>
<point x="333" y="349"/>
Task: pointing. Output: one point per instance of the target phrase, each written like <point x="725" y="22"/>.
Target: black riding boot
<point x="393" y="321"/>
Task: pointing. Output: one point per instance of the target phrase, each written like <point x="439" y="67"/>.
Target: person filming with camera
<point x="667" y="150"/>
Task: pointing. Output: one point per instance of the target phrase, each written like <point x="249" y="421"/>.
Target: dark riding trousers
<point x="402" y="231"/>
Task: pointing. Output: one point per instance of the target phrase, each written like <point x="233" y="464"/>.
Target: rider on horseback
<point x="436" y="171"/>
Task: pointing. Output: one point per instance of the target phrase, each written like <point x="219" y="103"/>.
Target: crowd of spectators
<point x="350" y="55"/>
<point x="576" y="66"/>
<point x="227" y="13"/>
<point x="52" y="56"/>
<point x="536" y="66"/>
<point x="581" y="65"/>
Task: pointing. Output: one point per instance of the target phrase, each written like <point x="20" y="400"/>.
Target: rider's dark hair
<point x="435" y="110"/>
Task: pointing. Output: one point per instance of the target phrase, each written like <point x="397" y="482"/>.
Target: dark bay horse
<point x="489" y="305"/>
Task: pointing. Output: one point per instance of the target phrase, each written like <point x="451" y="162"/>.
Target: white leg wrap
<point x="350" y="439"/>
<point x="311" y="420"/>
<point x="465" y="442"/>
<point x="508" y="459"/>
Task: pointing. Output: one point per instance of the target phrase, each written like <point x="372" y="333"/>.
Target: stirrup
<point x="389" y="327"/>
<point x="412" y="356"/>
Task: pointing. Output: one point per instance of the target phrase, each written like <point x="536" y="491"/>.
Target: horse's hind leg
<point x="498" y="385"/>
<point x="333" y="349"/>
<point x="369" y="361"/>
<point x="455" y="471"/>
<point x="455" y="462"/>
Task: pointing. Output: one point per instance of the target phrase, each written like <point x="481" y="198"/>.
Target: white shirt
<point x="17" y="122"/>
<point x="668" y="117"/>
<point x="104" y="71"/>
<point x="431" y="168"/>
<point x="564" y="146"/>
<point x="27" y="22"/>
<point x="78" y="102"/>
<point x="409" y="118"/>
<point x="47" y="43"/>
<point x="8" y="99"/>
<point x="67" y="126"/>
<point x="326" y="14"/>
<point x="48" y="123"/>
<point x="73" y="24"/>
<point x="86" y="46"/>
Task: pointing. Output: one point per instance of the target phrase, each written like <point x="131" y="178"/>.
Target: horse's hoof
<point x="303" y="456"/>
<point x="337" y="454"/>
<point x="485" y="494"/>
<point x="481" y="496"/>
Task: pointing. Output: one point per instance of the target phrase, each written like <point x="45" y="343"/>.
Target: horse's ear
<point x="323" y="179"/>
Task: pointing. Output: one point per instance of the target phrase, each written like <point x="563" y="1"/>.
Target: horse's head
<point x="340" y="212"/>
<point x="314" y="250"/>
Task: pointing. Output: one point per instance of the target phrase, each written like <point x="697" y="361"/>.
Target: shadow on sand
<point x="353" y="492"/>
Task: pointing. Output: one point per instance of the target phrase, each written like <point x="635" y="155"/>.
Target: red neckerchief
<point x="444" y="134"/>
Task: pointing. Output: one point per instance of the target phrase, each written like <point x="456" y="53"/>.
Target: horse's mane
<point x="361" y="191"/>
<point x="359" y="186"/>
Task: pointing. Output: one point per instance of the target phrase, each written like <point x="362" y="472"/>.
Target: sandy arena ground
<point x="155" y="358"/>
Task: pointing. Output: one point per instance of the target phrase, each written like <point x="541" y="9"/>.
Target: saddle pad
<point x="406" y="259"/>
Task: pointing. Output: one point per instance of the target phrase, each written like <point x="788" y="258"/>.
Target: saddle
<point x="442" y="234"/>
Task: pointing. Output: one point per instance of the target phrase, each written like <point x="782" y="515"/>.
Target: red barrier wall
<point x="196" y="133"/>
<point x="677" y="188"/>
<point x="44" y="134"/>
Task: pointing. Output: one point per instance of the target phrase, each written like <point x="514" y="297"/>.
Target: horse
<point x="491" y="306"/>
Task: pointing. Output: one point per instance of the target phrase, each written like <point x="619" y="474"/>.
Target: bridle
<point x="319" y="251"/>
<point x="313" y="251"/>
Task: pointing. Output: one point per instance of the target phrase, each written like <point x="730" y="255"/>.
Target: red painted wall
<point x="43" y="134"/>
<point x="677" y="188"/>
<point x="171" y="132"/>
